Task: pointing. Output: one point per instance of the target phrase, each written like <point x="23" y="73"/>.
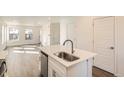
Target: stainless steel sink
<point x="66" y="56"/>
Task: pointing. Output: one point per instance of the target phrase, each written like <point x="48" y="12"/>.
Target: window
<point x="13" y="34"/>
<point x="28" y="34"/>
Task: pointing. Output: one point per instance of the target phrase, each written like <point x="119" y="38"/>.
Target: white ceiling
<point x="30" y="20"/>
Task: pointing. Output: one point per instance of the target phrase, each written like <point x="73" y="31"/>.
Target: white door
<point x="54" y="33"/>
<point x="104" y="43"/>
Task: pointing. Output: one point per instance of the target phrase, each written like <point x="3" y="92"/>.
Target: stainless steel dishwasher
<point x="44" y="64"/>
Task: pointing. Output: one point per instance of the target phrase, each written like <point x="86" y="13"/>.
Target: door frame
<point x="115" y="41"/>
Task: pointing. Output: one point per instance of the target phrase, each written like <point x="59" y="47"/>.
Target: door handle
<point x="112" y="48"/>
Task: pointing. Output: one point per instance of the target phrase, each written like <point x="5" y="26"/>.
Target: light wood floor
<point x="101" y="73"/>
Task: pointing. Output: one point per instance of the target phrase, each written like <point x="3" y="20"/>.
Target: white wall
<point x="21" y="41"/>
<point x="64" y="21"/>
<point x="63" y="31"/>
<point x="81" y="32"/>
<point x="45" y="33"/>
<point x="2" y="37"/>
<point x="22" y="22"/>
<point x="84" y="32"/>
<point x="119" y="29"/>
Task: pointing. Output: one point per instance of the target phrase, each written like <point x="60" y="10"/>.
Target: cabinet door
<point x="55" y="69"/>
<point x="53" y="73"/>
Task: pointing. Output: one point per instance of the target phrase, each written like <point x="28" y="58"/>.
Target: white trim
<point x="116" y="48"/>
<point x="102" y="17"/>
<point x="114" y="38"/>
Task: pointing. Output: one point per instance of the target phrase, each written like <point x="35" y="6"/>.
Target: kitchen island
<point x="58" y="66"/>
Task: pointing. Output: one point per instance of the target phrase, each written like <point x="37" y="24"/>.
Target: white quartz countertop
<point x="3" y="54"/>
<point x="82" y="54"/>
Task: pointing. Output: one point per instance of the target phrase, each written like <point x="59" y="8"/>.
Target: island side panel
<point x="78" y="70"/>
<point x="89" y="68"/>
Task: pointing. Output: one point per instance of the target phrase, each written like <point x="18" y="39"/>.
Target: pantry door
<point x="54" y="33"/>
<point x="104" y="43"/>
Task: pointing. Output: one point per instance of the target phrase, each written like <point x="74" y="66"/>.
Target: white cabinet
<point x="55" y="69"/>
<point x="82" y="69"/>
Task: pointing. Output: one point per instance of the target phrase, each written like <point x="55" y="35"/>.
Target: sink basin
<point x="66" y="56"/>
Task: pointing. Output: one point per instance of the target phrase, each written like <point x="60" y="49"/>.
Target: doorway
<point x="104" y="43"/>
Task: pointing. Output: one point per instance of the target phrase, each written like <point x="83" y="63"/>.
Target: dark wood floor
<point x="101" y="73"/>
